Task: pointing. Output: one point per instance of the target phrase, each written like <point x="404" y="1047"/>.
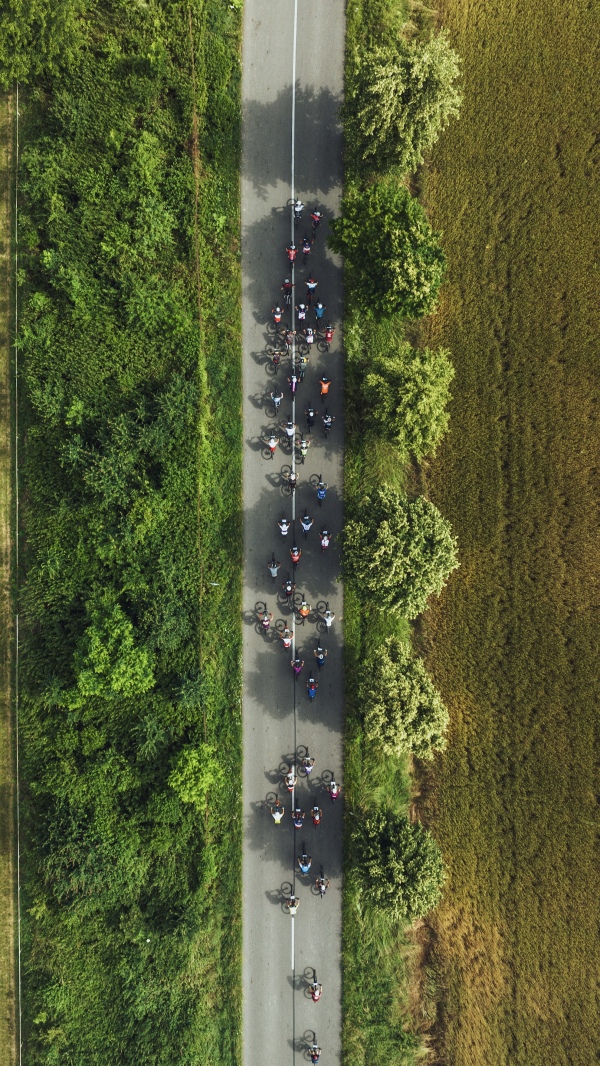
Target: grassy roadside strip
<point x="132" y="482"/>
<point x="377" y="1011"/>
<point x="376" y="1021"/>
<point x="8" y="980"/>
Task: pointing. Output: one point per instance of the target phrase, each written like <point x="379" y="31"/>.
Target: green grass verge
<point x="378" y="968"/>
<point x="514" y="187"/>
<point x="131" y="482"/>
<point x="376" y="1022"/>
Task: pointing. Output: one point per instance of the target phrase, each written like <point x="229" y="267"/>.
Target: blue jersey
<point x="321" y="493"/>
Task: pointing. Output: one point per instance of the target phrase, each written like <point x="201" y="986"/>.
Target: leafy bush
<point x="398" y="551"/>
<point x="392" y="256"/>
<point x="403" y="712"/>
<point x="399" y="865"/>
<point x="38" y="37"/>
<point x="406" y="393"/>
<point x="404" y="95"/>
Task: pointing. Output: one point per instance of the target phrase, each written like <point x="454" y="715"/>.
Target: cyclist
<point x="315" y="1053"/>
<point x="298" y="209"/>
<point x="334" y="789"/>
<point x="286" y="636"/>
<point x="276" y="358"/>
<point x="273" y="567"/>
<point x="271" y="443"/>
<point x="292" y="480"/>
<point x="328" y="617"/>
<point x="284" y="526"/>
<point x="329" y="331"/>
<point x="316" y="990"/>
<point x="291" y="252"/>
<point x="311" y="687"/>
<point x="300" y="366"/>
<point x="308" y="764"/>
<point x="310" y="417"/>
<point x="306" y="247"/>
<point x="297" y="665"/>
<point x="317" y="814"/>
<point x="277" y="314"/>
<point x="293" y="382"/>
<point x="306" y="522"/>
<point x="276" y="398"/>
<point x="277" y="812"/>
<point x="304" y="860"/>
<point x="328" y="421"/>
<point x="320" y="655"/>
<point x="265" y="618"/>
<point x="289" y="428"/>
<point x="317" y="217"/>
<point x="298" y="815"/>
<point x="301" y="312"/>
<point x="322" y="884"/>
<point x="309" y="335"/>
<point x="289" y="778"/>
<point x="325" y="539"/>
<point x="303" y="444"/>
<point x="291" y="904"/>
<point x="311" y="285"/>
<point x="289" y="587"/>
<point x="322" y="491"/>
<point x="289" y="338"/>
<point x="325" y="383"/>
<point x="286" y="289"/>
<point x="304" y="609"/>
<point x="319" y="310"/>
<point x="295" y="553"/>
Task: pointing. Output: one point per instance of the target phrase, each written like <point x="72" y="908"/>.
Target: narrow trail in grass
<point x="8" y="847"/>
<point x="285" y="117"/>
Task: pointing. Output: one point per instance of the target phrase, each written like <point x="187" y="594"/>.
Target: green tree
<point x="404" y="96"/>
<point x="403" y="710"/>
<point x="399" y="865"/>
<point x="195" y="773"/>
<point x="406" y="393"/>
<point x="399" y="551"/>
<point x="394" y="259"/>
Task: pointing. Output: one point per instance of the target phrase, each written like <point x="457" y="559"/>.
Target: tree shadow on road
<point x="267" y="148"/>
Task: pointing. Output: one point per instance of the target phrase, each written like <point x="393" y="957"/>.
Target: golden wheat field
<point x="513" y="644"/>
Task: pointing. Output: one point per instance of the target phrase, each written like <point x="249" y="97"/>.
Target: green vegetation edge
<point x="376" y="1026"/>
<point x="132" y="820"/>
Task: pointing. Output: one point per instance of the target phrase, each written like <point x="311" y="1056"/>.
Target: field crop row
<point x="130" y="364"/>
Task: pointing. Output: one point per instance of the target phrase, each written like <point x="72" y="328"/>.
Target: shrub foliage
<point x="394" y="259"/>
<point x="399" y="865"/>
<point x="403" y="712"/>
<point x="406" y="393"/>
<point x="399" y="551"/>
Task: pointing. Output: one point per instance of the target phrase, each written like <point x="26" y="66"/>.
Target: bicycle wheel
<point x="302" y="348"/>
<point x="323" y="346"/>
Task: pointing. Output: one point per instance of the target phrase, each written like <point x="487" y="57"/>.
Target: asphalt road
<point x="279" y="720"/>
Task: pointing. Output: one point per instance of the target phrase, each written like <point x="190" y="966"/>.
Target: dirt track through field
<point x="292" y="85"/>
